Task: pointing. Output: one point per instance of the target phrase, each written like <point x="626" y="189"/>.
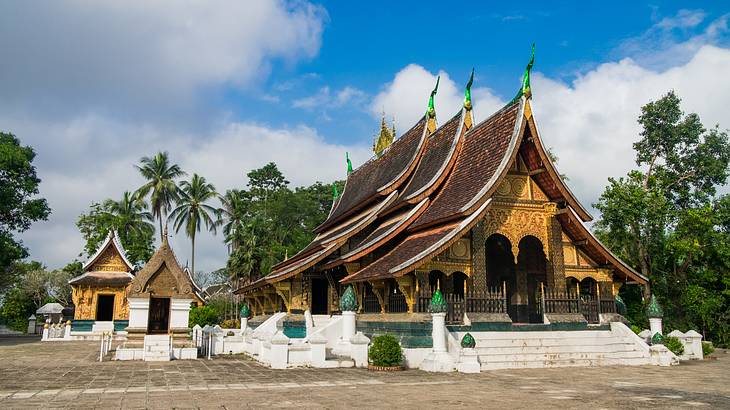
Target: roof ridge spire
<point x="349" y="163"/>
<point x="468" y="120"/>
<point x="526" y="89"/>
<point x="431" y="110"/>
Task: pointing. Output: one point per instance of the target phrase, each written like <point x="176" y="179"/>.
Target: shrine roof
<point x="488" y="149"/>
<point x="386" y="231"/>
<point x="112" y="239"/>
<point x="416" y="249"/>
<point x="436" y="159"/>
<point x="380" y="175"/>
<point x="102" y="279"/>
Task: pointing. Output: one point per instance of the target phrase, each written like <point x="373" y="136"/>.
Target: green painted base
<point x="120" y="325"/>
<point x="295" y="329"/>
<point x="82" y="325"/>
<point x="410" y="334"/>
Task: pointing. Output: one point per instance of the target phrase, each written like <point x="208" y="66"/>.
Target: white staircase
<point x="538" y="349"/>
<point x="156" y="348"/>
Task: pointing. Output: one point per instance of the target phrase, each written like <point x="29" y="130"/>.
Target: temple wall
<point x="86" y="297"/>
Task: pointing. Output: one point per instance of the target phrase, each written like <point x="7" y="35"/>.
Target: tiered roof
<point x="109" y="266"/>
<point x="427" y="191"/>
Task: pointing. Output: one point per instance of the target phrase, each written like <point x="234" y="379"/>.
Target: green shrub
<point x="707" y="348"/>
<point x="231" y="324"/>
<point x="385" y="351"/>
<point x="672" y="343"/>
<point x="635" y="329"/>
<point x="203" y="315"/>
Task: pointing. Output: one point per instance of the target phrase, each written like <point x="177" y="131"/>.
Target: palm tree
<point x="192" y="210"/>
<point x="233" y="213"/>
<point x="130" y="214"/>
<point x="160" y="186"/>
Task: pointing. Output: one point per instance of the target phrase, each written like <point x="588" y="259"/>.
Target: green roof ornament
<point x="468" y="342"/>
<point x="657" y="339"/>
<point x="467" y="91"/>
<point x="349" y="163"/>
<point x="438" y="303"/>
<point x="525" y="89"/>
<point x="335" y="194"/>
<point x="653" y="309"/>
<point x="431" y="111"/>
<point x="348" y="301"/>
<point x="245" y="311"/>
<point x="620" y="305"/>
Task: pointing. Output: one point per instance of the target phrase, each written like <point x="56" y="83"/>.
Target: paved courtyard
<point x="67" y="375"/>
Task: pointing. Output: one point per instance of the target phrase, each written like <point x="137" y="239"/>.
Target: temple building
<point x="477" y="210"/>
<point x="99" y="294"/>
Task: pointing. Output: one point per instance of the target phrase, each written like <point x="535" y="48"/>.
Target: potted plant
<point x="385" y="354"/>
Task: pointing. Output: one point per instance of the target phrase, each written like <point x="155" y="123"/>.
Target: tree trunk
<point x="160" y="218"/>
<point x="192" y="263"/>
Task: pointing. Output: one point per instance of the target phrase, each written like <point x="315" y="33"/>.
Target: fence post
<point x="504" y="297"/>
<point x="542" y="300"/>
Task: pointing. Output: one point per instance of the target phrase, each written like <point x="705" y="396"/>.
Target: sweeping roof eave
<point x="112" y="239"/>
<point x="552" y="171"/>
<point x="417" y="249"/>
<point x="573" y="224"/>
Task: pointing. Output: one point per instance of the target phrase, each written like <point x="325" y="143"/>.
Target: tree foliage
<point x="19" y="204"/>
<point x="270" y="220"/>
<point x="161" y="187"/>
<point x="666" y="219"/>
<point x="129" y="217"/>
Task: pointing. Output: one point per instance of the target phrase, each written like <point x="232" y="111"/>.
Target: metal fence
<point x="491" y="300"/>
<point x="561" y="301"/>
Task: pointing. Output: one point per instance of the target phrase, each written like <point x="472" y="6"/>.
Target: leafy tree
<point x="203" y="315"/>
<point x="664" y="217"/>
<point x="160" y="186"/>
<point x="129" y="217"/>
<point x="234" y="212"/>
<point x="19" y="206"/>
<point x="192" y="209"/>
<point x="16" y="309"/>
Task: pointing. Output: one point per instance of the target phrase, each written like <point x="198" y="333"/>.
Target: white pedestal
<point x="138" y="312"/>
<point x="439" y="359"/>
<point x="359" y="349"/>
<point x="343" y="347"/>
<point x="469" y="361"/>
<point x="179" y="313"/>
<point x="655" y="326"/>
<point x="244" y="324"/>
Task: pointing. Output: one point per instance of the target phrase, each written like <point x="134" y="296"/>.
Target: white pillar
<point x="439" y="359"/>
<point x="244" y="324"/>
<point x="359" y="350"/>
<point x="138" y="312"/>
<point x="694" y="344"/>
<point x="343" y="347"/>
<point x="279" y="350"/>
<point x="179" y="313"/>
<point x="438" y="332"/>
<point x="67" y="331"/>
<point x="31" y="325"/>
<point x="655" y="326"/>
<point x="318" y="352"/>
<point x="45" y="332"/>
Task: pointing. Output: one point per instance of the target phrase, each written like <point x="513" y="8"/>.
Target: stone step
<point x="339" y="363"/>
<point x="549" y="357"/>
<point x="549" y="341"/>
<point x="564" y="363"/>
<point x="558" y="334"/>
<point x="616" y="347"/>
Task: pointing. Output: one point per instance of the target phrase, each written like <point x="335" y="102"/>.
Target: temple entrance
<point x="105" y="308"/>
<point x="501" y="270"/>
<point x="532" y="263"/>
<point x="159" y="316"/>
<point x="320" y="290"/>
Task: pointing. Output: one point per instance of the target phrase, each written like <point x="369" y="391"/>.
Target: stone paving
<point x="67" y="375"/>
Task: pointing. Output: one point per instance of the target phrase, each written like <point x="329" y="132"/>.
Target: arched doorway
<point x="572" y="285"/>
<point x="320" y="296"/>
<point x="436" y="280"/>
<point x="501" y="269"/>
<point x="458" y="281"/>
<point x="587" y="287"/>
<point x="532" y="266"/>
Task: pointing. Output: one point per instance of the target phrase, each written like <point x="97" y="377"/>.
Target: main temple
<point x="476" y="210"/>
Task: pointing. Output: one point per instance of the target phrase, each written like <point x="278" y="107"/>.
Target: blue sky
<point x="228" y="86"/>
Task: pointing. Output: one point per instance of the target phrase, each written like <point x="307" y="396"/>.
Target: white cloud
<point x="91" y="159"/>
<point x="142" y="55"/>
<point x="406" y="97"/>
<point x="325" y="99"/>
<point x="591" y="122"/>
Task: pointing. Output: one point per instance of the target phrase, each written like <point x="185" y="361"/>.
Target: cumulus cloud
<point x="406" y="97"/>
<point x="326" y="99"/>
<point x="85" y="164"/>
<point x="142" y="55"/>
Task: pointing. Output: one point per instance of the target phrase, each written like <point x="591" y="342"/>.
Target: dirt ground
<point x="67" y="375"/>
